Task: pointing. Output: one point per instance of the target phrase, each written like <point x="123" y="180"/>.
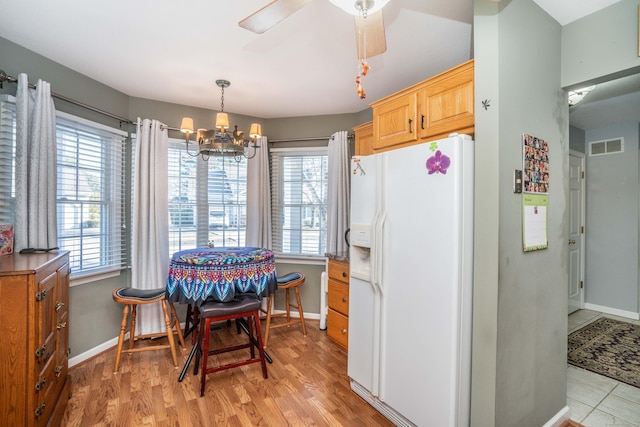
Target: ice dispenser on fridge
<point x="360" y="251"/>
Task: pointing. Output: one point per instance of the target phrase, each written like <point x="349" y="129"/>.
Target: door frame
<point x="582" y="157"/>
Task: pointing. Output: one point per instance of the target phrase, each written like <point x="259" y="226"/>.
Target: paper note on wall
<point x="534" y="216"/>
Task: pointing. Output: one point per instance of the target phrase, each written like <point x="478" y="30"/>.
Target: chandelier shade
<point x="219" y="141"/>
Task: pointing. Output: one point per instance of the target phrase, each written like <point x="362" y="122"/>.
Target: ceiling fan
<point x="369" y="24"/>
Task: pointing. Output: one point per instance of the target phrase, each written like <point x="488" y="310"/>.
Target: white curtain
<point x="258" y="232"/>
<point x="150" y="236"/>
<point x="338" y="192"/>
<point x="36" y="157"/>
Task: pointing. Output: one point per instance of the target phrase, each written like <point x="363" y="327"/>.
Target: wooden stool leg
<point x="288" y="304"/>
<point x="167" y="322"/>
<point x="123" y="330"/>
<point x="268" y="325"/>
<point x="304" y="328"/>
<point x="256" y="320"/>
<point x="177" y="325"/>
<point x="205" y="355"/>
<point x="132" y="328"/>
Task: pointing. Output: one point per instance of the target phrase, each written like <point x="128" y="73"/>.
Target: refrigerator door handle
<point x="378" y="252"/>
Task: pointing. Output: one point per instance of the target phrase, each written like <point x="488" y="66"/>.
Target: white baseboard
<point x="559" y="418"/>
<point x="114" y="341"/>
<point x="612" y="311"/>
<point x="93" y="352"/>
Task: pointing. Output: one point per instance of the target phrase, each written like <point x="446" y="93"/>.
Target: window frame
<point x="277" y="192"/>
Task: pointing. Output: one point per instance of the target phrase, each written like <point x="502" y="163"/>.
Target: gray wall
<point x="94" y="317"/>
<point x="520" y="299"/>
<point x="576" y="139"/>
<point x="611" y="258"/>
<point x="601" y="46"/>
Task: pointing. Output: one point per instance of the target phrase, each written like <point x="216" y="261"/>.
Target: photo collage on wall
<point x="535" y="153"/>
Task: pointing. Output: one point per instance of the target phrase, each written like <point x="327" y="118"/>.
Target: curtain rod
<point x="4" y="77"/>
<point x="313" y="138"/>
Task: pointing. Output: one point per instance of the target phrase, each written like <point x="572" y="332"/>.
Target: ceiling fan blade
<point x="265" y="18"/>
<point x="370" y="35"/>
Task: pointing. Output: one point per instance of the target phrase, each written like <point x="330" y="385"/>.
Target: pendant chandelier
<point x="219" y="141"/>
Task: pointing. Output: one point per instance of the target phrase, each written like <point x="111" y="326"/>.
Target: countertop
<point x="338" y="256"/>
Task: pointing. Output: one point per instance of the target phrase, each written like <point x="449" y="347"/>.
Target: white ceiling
<point x="306" y="65"/>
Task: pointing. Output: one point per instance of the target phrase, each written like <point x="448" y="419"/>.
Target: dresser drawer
<point x="338" y="298"/>
<point x="338" y="328"/>
<point x="338" y="270"/>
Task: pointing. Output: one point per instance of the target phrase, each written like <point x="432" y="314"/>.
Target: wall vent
<point x="609" y="146"/>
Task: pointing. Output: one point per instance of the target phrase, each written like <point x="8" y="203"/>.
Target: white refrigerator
<point x="410" y="288"/>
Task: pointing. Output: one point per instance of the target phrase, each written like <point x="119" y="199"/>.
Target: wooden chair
<point x="131" y="298"/>
<point x="247" y="306"/>
<point x="286" y="282"/>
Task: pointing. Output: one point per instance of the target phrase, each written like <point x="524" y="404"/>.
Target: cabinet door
<point x="445" y="105"/>
<point x="62" y="324"/>
<point x="45" y="336"/>
<point x="364" y="139"/>
<point x="394" y="122"/>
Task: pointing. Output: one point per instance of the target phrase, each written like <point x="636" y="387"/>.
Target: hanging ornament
<point x="359" y="89"/>
<point x="364" y="67"/>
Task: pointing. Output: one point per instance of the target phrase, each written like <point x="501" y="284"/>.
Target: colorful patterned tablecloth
<point x="218" y="274"/>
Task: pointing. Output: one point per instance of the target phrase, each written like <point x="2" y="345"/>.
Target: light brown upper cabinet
<point x="426" y="111"/>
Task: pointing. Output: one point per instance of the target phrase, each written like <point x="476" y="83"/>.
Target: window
<point x="7" y="156"/>
<point x="299" y="201"/>
<point x="214" y="213"/>
<point x="91" y="198"/>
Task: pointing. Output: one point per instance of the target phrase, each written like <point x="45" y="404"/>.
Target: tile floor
<point x="595" y="400"/>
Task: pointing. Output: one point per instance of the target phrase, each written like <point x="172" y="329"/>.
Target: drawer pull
<point x="344" y="331"/>
<point x="344" y="274"/>
<point x="40" y="384"/>
<point x="40" y="351"/>
<point x="58" y="370"/>
<point x="61" y="325"/>
<point x="344" y="299"/>
<point x="40" y="409"/>
<point x="59" y="305"/>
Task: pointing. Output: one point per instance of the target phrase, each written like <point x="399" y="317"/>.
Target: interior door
<point x="576" y="231"/>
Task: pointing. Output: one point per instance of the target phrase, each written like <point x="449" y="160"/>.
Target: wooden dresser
<point x="34" y="319"/>
<point x="338" y="302"/>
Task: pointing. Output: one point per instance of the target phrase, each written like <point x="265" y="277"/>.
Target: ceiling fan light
<point x="353" y="7"/>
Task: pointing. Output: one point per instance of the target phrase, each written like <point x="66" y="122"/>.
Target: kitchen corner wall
<point x="520" y="299"/>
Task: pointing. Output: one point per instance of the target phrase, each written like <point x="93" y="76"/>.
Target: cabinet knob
<point x="59" y="305"/>
<point x="58" y="370"/>
<point x="40" y="384"/>
<point x="61" y="325"/>
<point x="344" y="331"/>
<point x="344" y="274"/>
<point x="344" y="299"/>
<point x="40" y="409"/>
<point x="40" y="351"/>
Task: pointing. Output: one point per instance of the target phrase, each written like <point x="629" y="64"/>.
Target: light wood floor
<point x="307" y="386"/>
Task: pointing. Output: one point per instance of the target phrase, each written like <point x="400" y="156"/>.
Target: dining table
<point x="218" y="274"/>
